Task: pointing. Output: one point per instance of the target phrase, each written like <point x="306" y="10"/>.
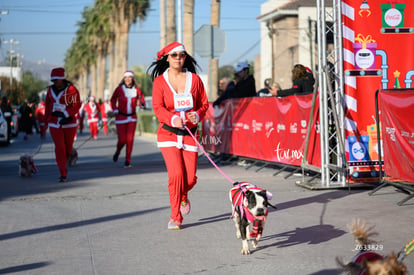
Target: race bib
<point x="183" y="102"/>
<point x="59" y="107"/>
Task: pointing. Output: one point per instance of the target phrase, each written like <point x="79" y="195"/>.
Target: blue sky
<point x="45" y="30"/>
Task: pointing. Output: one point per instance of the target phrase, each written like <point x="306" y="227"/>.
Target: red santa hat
<point x="57" y="73"/>
<point x="129" y="73"/>
<point x="172" y="47"/>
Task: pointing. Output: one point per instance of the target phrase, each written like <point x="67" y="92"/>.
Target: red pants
<point x="181" y="167"/>
<point x="63" y="139"/>
<point x="126" y="135"/>
<point x="93" y="127"/>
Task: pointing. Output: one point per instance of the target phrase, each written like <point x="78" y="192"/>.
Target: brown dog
<point x="367" y="260"/>
<point x="26" y="166"/>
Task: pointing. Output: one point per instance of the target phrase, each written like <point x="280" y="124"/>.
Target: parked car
<point x="14" y="126"/>
<point x="4" y="134"/>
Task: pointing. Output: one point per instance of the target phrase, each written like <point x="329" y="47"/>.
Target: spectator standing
<point x="27" y="119"/>
<point x="303" y="82"/>
<point x="92" y="110"/>
<point x="244" y="84"/>
<point x="270" y="90"/>
<point x="124" y="101"/>
<point x="61" y="106"/>
<point x="179" y="99"/>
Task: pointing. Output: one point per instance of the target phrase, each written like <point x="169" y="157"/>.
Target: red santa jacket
<point x="40" y="113"/>
<point x="124" y="102"/>
<point x="163" y="105"/>
<point x="104" y="109"/>
<point x="66" y="101"/>
<point x="92" y="109"/>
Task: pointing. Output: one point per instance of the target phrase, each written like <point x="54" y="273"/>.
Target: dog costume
<point x="237" y="197"/>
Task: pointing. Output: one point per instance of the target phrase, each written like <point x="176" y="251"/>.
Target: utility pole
<point x="214" y="62"/>
<point x="11" y="54"/>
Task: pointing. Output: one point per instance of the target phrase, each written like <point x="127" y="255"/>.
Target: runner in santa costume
<point x="61" y="106"/>
<point x="124" y="102"/>
<point x="105" y="108"/>
<point x="92" y="110"/>
<point x="179" y="99"/>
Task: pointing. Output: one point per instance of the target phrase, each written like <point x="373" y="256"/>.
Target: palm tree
<point x="189" y="26"/>
<point x="163" y="29"/>
<point x="126" y="14"/>
<point x="171" y="34"/>
<point x="214" y="63"/>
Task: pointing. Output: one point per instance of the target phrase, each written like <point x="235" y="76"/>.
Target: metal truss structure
<point x="334" y="168"/>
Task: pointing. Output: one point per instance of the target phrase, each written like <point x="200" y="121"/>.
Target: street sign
<point x="209" y="41"/>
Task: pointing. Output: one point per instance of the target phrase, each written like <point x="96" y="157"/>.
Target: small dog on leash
<point x="367" y="260"/>
<point x="250" y="207"/>
<point x="26" y="166"/>
<point x="73" y="158"/>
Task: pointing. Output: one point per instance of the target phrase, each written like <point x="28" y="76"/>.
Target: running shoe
<point x="174" y="225"/>
<point x="185" y="207"/>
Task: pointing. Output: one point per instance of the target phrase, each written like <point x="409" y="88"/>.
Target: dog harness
<point x="237" y="196"/>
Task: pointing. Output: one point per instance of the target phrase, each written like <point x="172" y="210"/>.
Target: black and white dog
<point x="250" y="207"/>
<point x="26" y="166"/>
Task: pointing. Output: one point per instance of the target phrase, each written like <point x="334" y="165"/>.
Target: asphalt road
<point x="111" y="220"/>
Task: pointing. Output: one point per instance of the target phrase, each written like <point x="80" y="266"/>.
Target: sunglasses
<point x="179" y="55"/>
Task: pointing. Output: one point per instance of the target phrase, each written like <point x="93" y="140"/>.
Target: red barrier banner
<point x="397" y="130"/>
<point x="264" y="128"/>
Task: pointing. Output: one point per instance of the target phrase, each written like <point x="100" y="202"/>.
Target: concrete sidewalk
<point x="110" y="220"/>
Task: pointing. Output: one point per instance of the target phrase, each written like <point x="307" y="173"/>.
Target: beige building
<point x="288" y="32"/>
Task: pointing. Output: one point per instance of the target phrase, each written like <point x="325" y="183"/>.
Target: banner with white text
<point x="397" y="130"/>
<point x="264" y="128"/>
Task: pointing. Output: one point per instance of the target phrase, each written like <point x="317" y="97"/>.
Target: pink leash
<point x="208" y="157"/>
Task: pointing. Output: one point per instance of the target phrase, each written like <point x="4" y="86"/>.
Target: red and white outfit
<point x="105" y="108"/>
<point x="68" y="102"/>
<point x="40" y="116"/>
<point x="180" y="152"/>
<point x="124" y="102"/>
<point x="92" y="110"/>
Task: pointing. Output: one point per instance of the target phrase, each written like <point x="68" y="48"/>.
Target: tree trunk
<point x="163" y="27"/>
<point x="189" y="26"/>
<point x="113" y="78"/>
<point x="171" y="22"/>
<point x="101" y="77"/>
<point x="93" y="79"/>
<point x="214" y="62"/>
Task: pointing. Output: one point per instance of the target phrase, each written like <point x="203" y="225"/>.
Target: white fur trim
<point x="172" y="120"/>
<point x="128" y="73"/>
<point x="179" y="48"/>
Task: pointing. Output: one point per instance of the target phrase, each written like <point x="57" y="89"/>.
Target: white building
<point x="288" y="28"/>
